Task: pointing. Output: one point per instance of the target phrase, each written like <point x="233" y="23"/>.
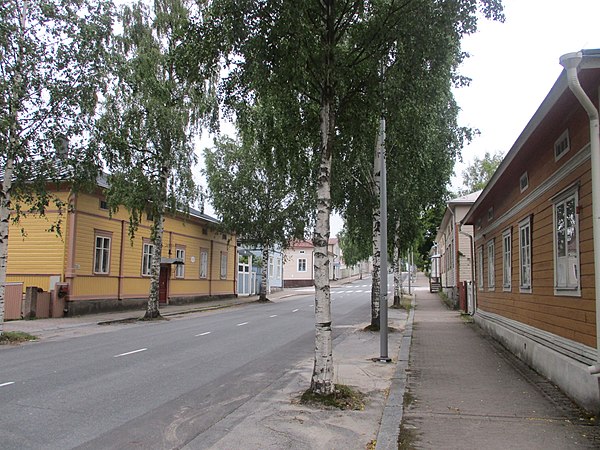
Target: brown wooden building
<point x="534" y="246"/>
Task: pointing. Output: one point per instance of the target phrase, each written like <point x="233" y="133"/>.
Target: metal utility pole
<point x="383" y="271"/>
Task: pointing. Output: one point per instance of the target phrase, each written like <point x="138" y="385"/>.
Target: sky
<point x="513" y="65"/>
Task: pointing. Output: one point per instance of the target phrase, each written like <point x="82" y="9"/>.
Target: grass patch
<point x="467" y="318"/>
<point x="405" y="303"/>
<point x="344" y="398"/>
<point x="16" y="337"/>
<point x="406" y="438"/>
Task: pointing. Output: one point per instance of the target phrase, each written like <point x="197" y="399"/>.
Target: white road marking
<point x="131" y="353"/>
<point x="203" y="334"/>
<point x="241" y="324"/>
<point x="295" y="310"/>
<point x="273" y="315"/>
<point x="7" y="384"/>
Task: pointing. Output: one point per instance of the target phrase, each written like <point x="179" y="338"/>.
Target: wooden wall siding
<point x="40" y="251"/>
<point x="41" y="280"/>
<point x="570" y="317"/>
<point x="44" y="254"/>
<point x="89" y="285"/>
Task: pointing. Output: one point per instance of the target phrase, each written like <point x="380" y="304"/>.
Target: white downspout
<point x="570" y="62"/>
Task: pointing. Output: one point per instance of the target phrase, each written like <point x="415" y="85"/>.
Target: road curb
<point x="389" y="430"/>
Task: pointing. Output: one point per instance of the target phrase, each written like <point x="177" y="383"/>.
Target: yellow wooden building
<point x="107" y="270"/>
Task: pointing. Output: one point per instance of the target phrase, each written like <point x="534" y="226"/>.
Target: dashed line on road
<point x="7" y="383"/>
<point x="203" y="334"/>
<point x="242" y="324"/>
<point x="131" y="353"/>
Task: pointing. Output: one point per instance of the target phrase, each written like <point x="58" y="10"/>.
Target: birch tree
<point x="252" y="187"/>
<point x="323" y="57"/>
<point x="53" y="61"/>
<point x="149" y="119"/>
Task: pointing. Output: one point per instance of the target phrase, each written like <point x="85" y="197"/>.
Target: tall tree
<point x="148" y="122"/>
<point x="53" y="62"/>
<point x="422" y="135"/>
<point x="480" y="171"/>
<point x="252" y="187"/>
<point x="323" y="57"/>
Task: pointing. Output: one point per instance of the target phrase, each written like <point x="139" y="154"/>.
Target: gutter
<point x="571" y="62"/>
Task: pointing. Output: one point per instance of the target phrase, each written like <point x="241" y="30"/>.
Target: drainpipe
<point x="570" y="62"/>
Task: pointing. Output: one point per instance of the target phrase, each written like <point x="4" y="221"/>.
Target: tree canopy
<point x="150" y="114"/>
<point x="54" y="60"/>
<point x="480" y="171"/>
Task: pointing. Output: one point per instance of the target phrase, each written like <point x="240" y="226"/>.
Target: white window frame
<point x="223" y="265"/>
<point x="491" y="266"/>
<point x="102" y="254"/>
<point x="525" y="251"/>
<point x="203" y="263"/>
<point x="480" y="282"/>
<point x="564" y="287"/>
<point x="507" y="260"/>
<point x="180" y="268"/>
<point x="302" y="264"/>
<point x="147" y="251"/>
<point x="562" y="137"/>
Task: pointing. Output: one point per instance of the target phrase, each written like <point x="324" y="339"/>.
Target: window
<point x="147" y="252"/>
<point x="102" y="255"/>
<point x="480" y="267"/>
<point x="525" y="255"/>
<point x="301" y="264"/>
<point x="180" y="268"/>
<point x="223" y="265"/>
<point x="491" y="263"/>
<point x="278" y="268"/>
<point x="203" y="263"/>
<point x="506" y="260"/>
<point x="566" y="245"/>
<point x="562" y="145"/>
<point x="524" y="182"/>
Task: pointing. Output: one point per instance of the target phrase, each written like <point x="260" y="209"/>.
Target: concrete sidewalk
<point x="467" y="392"/>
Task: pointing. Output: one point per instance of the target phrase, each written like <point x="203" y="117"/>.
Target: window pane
<point x="560" y="230"/>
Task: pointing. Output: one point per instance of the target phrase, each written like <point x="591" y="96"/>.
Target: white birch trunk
<point x="4" y="223"/>
<point x="5" y="195"/>
<point x="397" y="272"/>
<point x="322" y="377"/>
<point x="375" y="283"/>
<point x="265" y="274"/>
<point x="152" y="310"/>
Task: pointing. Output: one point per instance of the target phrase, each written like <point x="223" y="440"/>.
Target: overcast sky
<point x="514" y="64"/>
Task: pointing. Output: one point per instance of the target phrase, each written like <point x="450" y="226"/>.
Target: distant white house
<point x="250" y="270"/>
<point x="298" y="267"/>
<point x="454" y="245"/>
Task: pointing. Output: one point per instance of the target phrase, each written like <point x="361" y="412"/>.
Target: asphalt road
<point x="159" y="385"/>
